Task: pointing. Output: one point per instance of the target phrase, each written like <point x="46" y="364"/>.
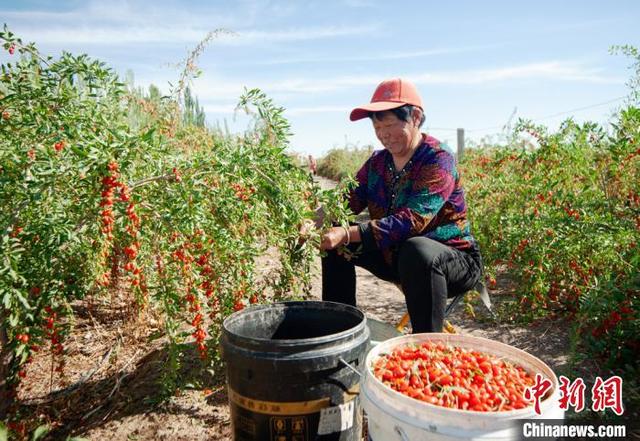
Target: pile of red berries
<point x="454" y="377"/>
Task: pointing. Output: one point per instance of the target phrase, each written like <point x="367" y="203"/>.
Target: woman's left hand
<point x="333" y="238"/>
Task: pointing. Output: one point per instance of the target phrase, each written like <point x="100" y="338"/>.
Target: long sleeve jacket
<point x="425" y="198"/>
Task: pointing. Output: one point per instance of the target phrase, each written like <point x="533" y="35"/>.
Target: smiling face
<point x="397" y="136"/>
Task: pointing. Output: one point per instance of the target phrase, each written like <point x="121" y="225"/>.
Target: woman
<point x="419" y="234"/>
<point x="313" y="165"/>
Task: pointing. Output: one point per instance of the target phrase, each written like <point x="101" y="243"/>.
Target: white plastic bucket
<point x="394" y="416"/>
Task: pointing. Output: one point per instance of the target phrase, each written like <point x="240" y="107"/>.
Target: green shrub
<point x="339" y="163"/>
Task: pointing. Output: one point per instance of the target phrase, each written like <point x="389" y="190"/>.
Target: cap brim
<point x="379" y="106"/>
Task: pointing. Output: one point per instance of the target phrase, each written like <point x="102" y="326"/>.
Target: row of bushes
<point x="339" y="163"/>
<point x="105" y="189"/>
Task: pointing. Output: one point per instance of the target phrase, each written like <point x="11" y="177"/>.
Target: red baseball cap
<point x="390" y="94"/>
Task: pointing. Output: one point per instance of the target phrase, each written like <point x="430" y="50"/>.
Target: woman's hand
<point x="305" y="229"/>
<point x="304" y="232"/>
<point x="333" y="238"/>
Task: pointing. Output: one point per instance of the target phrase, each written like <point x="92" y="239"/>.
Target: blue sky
<point x="473" y="61"/>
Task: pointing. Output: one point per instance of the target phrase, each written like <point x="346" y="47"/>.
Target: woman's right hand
<point x="305" y="231"/>
<point x="333" y="238"/>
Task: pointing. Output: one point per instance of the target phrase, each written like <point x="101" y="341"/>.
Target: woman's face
<point x="396" y="135"/>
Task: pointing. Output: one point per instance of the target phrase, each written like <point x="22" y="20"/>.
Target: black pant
<point x="428" y="271"/>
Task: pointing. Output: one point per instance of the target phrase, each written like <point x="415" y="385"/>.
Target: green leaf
<point x="149" y="135"/>
<point x="6" y="301"/>
<point x="154" y="336"/>
<point x="22" y="300"/>
<point x="20" y="351"/>
<point x="40" y="432"/>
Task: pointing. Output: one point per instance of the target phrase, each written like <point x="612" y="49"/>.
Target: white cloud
<point x="124" y="13"/>
<point x="216" y="90"/>
<point x="551" y="70"/>
<point x="50" y="16"/>
<point x="213" y="108"/>
<point x="223" y="89"/>
<point x="229" y="109"/>
<point x="127" y="22"/>
<point x="103" y="35"/>
<point x="317" y="109"/>
<point x="112" y="36"/>
<point x="305" y="33"/>
<point x="361" y="4"/>
<point x="371" y="57"/>
<point x="220" y="88"/>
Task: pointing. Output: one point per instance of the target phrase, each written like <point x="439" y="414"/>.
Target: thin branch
<point x="115" y="387"/>
<point x="167" y="177"/>
<point x="56" y="395"/>
<point x="190" y="62"/>
<point x="33" y="52"/>
<point x="16" y="213"/>
<point x="265" y="176"/>
<point x="145" y="181"/>
<point x="124" y="374"/>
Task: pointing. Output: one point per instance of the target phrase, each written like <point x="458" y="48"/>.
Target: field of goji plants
<point x="564" y="217"/>
<point x="110" y="197"/>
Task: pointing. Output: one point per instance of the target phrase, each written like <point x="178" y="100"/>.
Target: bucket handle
<point x="342" y="361"/>
<point x="400" y="431"/>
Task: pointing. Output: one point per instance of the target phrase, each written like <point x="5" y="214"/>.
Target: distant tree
<point x="154" y="93"/>
<point x="193" y="113"/>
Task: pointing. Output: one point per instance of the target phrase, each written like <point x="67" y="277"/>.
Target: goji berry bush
<point x="106" y="191"/>
<point x="565" y="220"/>
<point x="339" y="163"/>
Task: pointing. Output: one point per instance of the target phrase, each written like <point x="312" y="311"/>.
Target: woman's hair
<point x="403" y="113"/>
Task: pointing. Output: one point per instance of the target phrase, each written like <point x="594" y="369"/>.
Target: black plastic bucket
<point x="291" y="371"/>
